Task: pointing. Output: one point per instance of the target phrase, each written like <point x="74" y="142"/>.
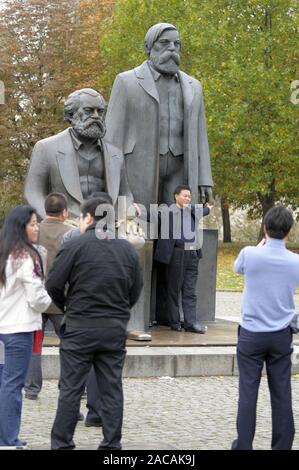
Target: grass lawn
<point x="227" y="253"/>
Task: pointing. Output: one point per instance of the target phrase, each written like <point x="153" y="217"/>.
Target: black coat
<point x="164" y="247"/>
<point x="104" y="278"/>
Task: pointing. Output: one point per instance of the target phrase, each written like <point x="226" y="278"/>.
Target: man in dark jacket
<point x="105" y="282"/>
<point x="178" y="250"/>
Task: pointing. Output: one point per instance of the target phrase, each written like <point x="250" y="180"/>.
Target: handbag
<point x="37" y="342"/>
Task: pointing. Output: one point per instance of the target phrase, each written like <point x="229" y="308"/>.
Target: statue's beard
<point x="167" y="63"/>
<point x="90" y="129"/>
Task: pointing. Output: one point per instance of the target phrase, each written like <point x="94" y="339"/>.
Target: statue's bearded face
<point x="165" y="53"/>
<point x="89" y="119"/>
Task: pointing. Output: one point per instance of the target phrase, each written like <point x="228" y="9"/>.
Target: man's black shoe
<point x="31" y="397"/>
<point x="176" y="328"/>
<point x="201" y="329"/>
<point x="93" y="424"/>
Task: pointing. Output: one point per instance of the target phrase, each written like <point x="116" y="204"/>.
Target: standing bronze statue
<point x="78" y="161"/>
<point x="156" y="117"/>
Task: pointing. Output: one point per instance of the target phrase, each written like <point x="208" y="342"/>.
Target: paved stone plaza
<point x="164" y="413"/>
<point x="228" y="305"/>
<point x="168" y="413"/>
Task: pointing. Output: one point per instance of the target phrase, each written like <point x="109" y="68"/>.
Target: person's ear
<point x="68" y="117"/>
<point x="89" y="219"/>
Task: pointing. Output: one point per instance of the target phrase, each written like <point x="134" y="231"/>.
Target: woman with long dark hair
<point x="22" y="299"/>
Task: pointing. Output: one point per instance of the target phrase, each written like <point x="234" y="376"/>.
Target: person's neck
<point x="278" y="239"/>
<point x="60" y="218"/>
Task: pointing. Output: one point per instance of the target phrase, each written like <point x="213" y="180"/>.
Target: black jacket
<point x="104" y="278"/>
<point x="164" y="247"/>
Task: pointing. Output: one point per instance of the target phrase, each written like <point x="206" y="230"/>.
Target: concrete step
<point x="148" y="361"/>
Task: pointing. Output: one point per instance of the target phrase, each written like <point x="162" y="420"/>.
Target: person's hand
<point x="205" y="194"/>
<point x="208" y="205"/>
<point x="261" y="243"/>
<point x="137" y="208"/>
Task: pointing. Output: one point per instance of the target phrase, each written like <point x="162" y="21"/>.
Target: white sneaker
<point x="21" y="447"/>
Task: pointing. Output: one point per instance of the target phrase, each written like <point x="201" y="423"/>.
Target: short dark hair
<point x="55" y="203"/>
<point x="90" y="205"/>
<point x="180" y="188"/>
<point x="278" y="222"/>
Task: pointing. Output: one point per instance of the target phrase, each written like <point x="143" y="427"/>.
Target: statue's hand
<point x="137" y="209"/>
<point x="129" y="230"/>
<point x="135" y="234"/>
<point x="205" y="195"/>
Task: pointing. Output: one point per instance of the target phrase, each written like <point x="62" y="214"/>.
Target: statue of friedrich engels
<point x="156" y="116"/>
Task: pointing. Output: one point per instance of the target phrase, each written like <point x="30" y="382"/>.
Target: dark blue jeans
<point x="253" y="351"/>
<point x="18" y="350"/>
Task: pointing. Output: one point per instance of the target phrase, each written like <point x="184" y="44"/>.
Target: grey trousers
<point x="34" y="378"/>
<point x="171" y="175"/>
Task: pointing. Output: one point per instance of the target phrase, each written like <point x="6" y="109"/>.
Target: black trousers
<point x="253" y="350"/>
<point x="181" y="276"/>
<point x="104" y="348"/>
<point x="93" y="403"/>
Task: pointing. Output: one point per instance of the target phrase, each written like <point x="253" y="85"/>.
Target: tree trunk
<point x="227" y="236"/>
<point x="267" y="202"/>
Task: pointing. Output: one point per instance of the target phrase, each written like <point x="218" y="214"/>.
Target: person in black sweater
<point x="104" y="282"/>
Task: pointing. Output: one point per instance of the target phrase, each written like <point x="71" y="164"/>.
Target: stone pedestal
<point x="206" y="283"/>
<point x="147" y="309"/>
<point x="140" y="313"/>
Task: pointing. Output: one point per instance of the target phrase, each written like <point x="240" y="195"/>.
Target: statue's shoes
<point x="139" y="336"/>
